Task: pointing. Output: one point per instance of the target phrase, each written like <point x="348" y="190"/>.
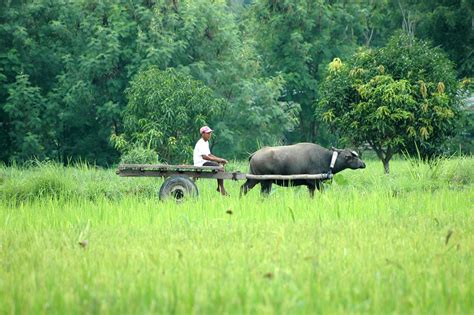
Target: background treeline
<point x="66" y="66"/>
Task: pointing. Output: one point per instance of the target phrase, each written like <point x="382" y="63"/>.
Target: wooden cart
<point x="180" y="184"/>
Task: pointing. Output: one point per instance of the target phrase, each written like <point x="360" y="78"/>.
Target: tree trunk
<point x="384" y="156"/>
<point x="386" y="165"/>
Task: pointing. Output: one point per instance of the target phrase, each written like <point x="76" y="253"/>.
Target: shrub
<point x="139" y="155"/>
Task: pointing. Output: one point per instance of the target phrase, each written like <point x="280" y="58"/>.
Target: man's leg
<point x="220" y="187"/>
<point x="220" y="182"/>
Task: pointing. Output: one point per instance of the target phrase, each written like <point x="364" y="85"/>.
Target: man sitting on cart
<point x="202" y="156"/>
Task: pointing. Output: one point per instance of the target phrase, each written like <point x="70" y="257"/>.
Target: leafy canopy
<point x="399" y="97"/>
<point x="70" y="62"/>
<point x="294" y="39"/>
<point x="165" y="109"/>
<point x="24" y="108"/>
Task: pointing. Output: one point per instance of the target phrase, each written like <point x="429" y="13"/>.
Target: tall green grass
<point x="83" y="181"/>
<point x="371" y="243"/>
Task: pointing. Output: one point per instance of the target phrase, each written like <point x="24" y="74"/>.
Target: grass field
<point x="370" y="243"/>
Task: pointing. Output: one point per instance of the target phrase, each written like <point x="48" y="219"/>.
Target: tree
<point x="24" y="109"/>
<point x="296" y="38"/>
<point x="447" y="24"/>
<point x="82" y="54"/>
<point x="97" y="45"/>
<point x="78" y="55"/>
<point x="400" y="97"/>
<point x="206" y="43"/>
<point x="265" y="58"/>
<point x="164" y="111"/>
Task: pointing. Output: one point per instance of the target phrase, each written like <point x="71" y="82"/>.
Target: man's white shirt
<point x="201" y="148"/>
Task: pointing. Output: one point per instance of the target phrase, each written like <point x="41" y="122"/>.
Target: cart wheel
<point x="179" y="188"/>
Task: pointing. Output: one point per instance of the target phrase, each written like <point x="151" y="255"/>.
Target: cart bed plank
<point x="158" y="173"/>
<point x="169" y="168"/>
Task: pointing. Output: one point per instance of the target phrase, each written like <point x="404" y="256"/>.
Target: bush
<point x="459" y="172"/>
<point x="43" y="180"/>
<point x="139" y="155"/>
<point x="47" y="180"/>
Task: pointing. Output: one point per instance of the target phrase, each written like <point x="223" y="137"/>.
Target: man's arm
<point x="211" y="157"/>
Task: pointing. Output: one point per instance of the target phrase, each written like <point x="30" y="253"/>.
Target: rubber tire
<point x="178" y="188"/>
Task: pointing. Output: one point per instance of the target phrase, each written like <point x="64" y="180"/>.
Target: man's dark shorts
<point x="211" y="163"/>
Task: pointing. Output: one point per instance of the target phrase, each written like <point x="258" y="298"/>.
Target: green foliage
<point x="264" y="58"/>
<point x="400" y="97"/>
<point x="256" y="118"/>
<point x="206" y="43"/>
<point x="165" y="111"/>
<point x="24" y="108"/>
<point x="139" y="155"/>
<point x="82" y="55"/>
<point x="294" y="39"/>
<point x="76" y="54"/>
<point x="463" y="142"/>
<point x="447" y="24"/>
<point x="298" y="38"/>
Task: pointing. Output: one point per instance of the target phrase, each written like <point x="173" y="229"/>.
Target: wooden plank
<point x="166" y="167"/>
<point x="191" y="174"/>
<point x="289" y="177"/>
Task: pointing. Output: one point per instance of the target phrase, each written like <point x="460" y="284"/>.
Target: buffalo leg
<point x="311" y="184"/>
<point x="319" y="185"/>
<point x="311" y="189"/>
<point x="266" y="187"/>
<point x="249" y="184"/>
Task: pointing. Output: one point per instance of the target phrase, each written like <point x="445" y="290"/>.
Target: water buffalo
<point x="301" y="158"/>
